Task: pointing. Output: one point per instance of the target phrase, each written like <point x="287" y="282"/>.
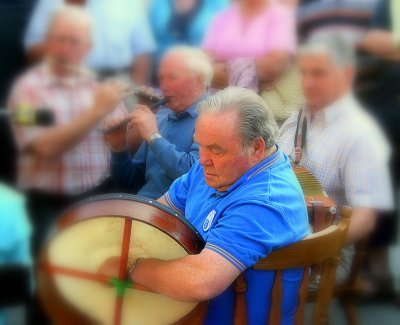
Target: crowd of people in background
<point x="335" y="62"/>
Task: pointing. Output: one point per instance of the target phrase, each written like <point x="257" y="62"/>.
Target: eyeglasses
<point x="73" y="41"/>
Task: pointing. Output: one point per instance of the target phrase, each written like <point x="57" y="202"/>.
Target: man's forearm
<point x="381" y="44"/>
<point x="59" y="139"/>
<point x="270" y="67"/>
<point x="174" y="162"/>
<point x="362" y="223"/>
<point x="186" y="279"/>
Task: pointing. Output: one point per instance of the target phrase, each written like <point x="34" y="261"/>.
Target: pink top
<point x="229" y="36"/>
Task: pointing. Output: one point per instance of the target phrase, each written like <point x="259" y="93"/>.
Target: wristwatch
<point x="154" y="136"/>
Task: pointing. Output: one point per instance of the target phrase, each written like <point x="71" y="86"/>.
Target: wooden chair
<point x="321" y="248"/>
<point x="352" y="288"/>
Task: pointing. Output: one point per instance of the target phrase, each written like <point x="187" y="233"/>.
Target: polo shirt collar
<point x="265" y="164"/>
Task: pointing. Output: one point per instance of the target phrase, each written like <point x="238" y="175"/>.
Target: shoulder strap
<point x="300" y="136"/>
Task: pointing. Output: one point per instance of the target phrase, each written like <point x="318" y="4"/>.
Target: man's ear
<point x="258" y="149"/>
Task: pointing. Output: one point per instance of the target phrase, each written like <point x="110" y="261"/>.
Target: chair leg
<point x="349" y="311"/>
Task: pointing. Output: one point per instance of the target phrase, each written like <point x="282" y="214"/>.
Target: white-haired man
<point x="57" y="164"/>
<point x="244" y="200"/>
<point x="168" y="150"/>
<point x="343" y="146"/>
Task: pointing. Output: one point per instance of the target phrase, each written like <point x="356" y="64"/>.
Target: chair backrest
<point x="321" y="248"/>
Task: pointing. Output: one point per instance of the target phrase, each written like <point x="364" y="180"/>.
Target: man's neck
<point x="313" y="111"/>
<point x="268" y="153"/>
<point x="195" y="99"/>
<point x="249" y="9"/>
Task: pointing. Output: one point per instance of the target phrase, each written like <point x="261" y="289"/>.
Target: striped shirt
<point x="350" y="18"/>
<point x="347" y="152"/>
<point x="82" y="167"/>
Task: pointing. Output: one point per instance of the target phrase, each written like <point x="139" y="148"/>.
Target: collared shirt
<point x="231" y="36"/>
<point x="262" y="211"/>
<point x="77" y="170"/>
<point x="120" y="31"/>
<point x="347" y="152"/>
<point x="153" y="168"/>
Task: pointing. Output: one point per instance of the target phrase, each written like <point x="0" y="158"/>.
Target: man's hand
<point x="116" y="139"/>
<point x="144" y="121"/>
<point x="110" y="267"/>
<point x="107" y="96"/>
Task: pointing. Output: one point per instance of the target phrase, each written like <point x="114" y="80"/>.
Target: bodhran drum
<point x="69" y="285"/>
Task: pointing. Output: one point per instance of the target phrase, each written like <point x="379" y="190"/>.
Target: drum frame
<point x="130" y="208"/>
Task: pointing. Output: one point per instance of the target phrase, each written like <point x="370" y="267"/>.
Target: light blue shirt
<point x="262" y="211"/>
<point x="15" y="231"/>
<point x="120" y="31"/>
<point x="154" y="167"/>
<point x="160" y="15"/>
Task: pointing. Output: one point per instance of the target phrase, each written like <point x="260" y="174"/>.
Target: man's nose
<point x="205" y="159"/>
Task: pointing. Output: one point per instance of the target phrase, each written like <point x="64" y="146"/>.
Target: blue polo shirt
<point x="264" y="210"/>
<point x="153" y="168"/>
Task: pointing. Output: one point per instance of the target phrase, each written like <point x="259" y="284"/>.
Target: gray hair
<point x="333" y="44"/>
<point x="74" y="13"/>
<point x="196" y="61"/>
<point x="256" y="119"/>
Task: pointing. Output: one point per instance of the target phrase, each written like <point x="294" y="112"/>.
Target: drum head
<point x="103" y="227"/>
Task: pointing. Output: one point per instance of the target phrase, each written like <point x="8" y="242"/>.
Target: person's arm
<point x="174" y="162"/>
<point x="127" y="171"/>
<point x="198" y="281"/>
<point x="220" y="76"/>
<point x="58" y="139"/>
<point x="379" y="39"/>
<point x="364" y="172"/>
<point x="380" y="43"/>
<point x="362" y="223"/>
<point x="193" y="278"/>
<point x="271" y="66"/>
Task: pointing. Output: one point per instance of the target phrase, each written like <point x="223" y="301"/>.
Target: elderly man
<point x="122" y="34"/>
<point x="244" y="199"/>
<point x="343" y="146"/>
<point x="57" y="164"/>
<point x="168" y="150"/>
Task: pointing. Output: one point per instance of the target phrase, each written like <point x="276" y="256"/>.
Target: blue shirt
<point x="15" y="231"/>
<point x="151" y="171"/>
<point x="262" y="211"/>
<point x="120" y="31"/>
<point x="159" y="18"/>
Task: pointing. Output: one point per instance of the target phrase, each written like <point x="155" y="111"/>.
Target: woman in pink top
<point x="252" y="40"/>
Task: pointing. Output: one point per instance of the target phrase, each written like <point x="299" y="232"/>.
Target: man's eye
<point x="216" y="152"/>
